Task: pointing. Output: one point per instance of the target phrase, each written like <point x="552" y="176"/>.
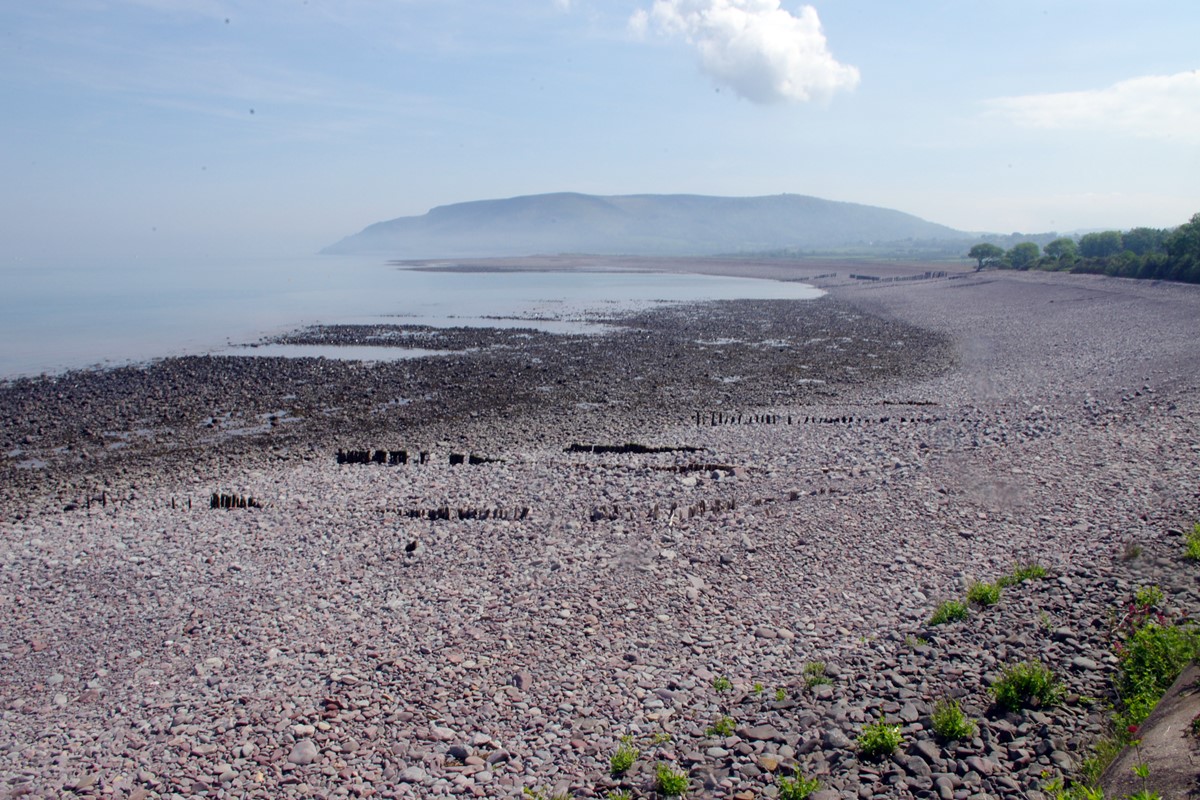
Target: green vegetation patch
<point x="1151" y="658"/>
<point x="721" y="727"/>
<point x="1191" y="544"/>
<point x="1022" y="573"/>
<point x="1028" y="684"/>
<point x="1146" y="253"/>
<point x="623" y="758"/>
<point x="879" y="739"/>
<point x="950" y="723"/>
<point x="669" y="781"/>
<point x="984" y="594"/>
<point x="797" y="787"/>
<point x="949" y="611"/>
<point x="814" y="674"/>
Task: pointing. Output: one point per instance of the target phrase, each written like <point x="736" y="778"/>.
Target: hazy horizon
<point x="217" y="127"/>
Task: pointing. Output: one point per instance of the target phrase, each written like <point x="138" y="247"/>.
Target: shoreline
<point x="1013" y="418"/>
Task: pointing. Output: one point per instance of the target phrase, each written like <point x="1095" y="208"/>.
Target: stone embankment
<point x="328" y="642"/>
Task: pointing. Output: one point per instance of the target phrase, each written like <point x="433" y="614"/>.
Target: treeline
<point x="1150" y="253"/>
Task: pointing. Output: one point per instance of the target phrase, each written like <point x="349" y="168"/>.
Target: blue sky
<point x="276" y="127"/>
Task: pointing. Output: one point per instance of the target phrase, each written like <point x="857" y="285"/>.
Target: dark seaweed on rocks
<point x="654" y="368"/>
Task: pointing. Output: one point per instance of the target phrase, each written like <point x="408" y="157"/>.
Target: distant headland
<point x="652" y="224"/>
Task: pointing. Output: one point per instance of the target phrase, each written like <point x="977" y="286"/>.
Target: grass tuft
<point x="797" y="787"/>
<point x="949" y="721"/>
<point x="1021" y="573"/>
<point x="1191" y="544"/>
<point x="949" y="611"/>
<point x="814" y="674"/>
<point x="623" y="758"/>
<point x="670" y="782"/>
<point x="984" y="594"/>
<point x="1025" y="685"/>
<point x="721" y="727"/>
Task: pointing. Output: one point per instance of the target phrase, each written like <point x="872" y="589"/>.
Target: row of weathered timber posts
<point x="219" y="500"/>
<point x="389" y="457"/>
<point x="925" y="276"/>
<point x="716" y="418"/>
<point x="630" y="447"/>
<point x="448" y="513"/>
<point x="393" y="458"/>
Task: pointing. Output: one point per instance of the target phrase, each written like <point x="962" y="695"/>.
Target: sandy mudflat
<point x="877" y="449"/>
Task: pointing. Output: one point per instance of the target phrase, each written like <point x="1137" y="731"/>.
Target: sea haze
<point x="59" y="316"/>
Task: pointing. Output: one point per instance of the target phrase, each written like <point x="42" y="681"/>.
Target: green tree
<point x="1064" y="250"/>
<point x="985" y="253"/>
<point x="1143" y="241"/>
<point x="1022" y="255"/>
<point x="1100" y="245"/>
<point x="1183" y="252"/>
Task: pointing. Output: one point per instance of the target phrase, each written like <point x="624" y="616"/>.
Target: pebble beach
<point x="572" y="541"/>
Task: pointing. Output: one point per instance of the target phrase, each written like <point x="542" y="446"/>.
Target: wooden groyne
<point x="717" y="418"/>
<point x="631" y="447"/>
<point x="219" y="500"/>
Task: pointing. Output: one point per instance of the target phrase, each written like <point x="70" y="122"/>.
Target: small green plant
<point x="539" y="794"/>
<point x="721" y="727"/>
<point x="949" y="721"/>
<point x="623" y="758"/>
<point x="1142" y="771"/>
<point x="1026" y="684"/>
<point x="814" y="674"/>
<point x="1148" y="597"/>
<point x="1022" y="573"/>
<point x="1030" y="572"/>
<point x="913" y="642"/>
<point x="879" y="739"/>
<point x="670" y="782"/>
<point x="1191" y="544"/>
<point x="1058" y="790"/>
<point x="948" y="611"/>
<point x="619" y="794"/>
<point x="758" y="689"/>
<point x="660" y="737"/>
<point x="1044" y="621"/>
<point x="984" y="594"/>
<point x="1132" y="551"/>
<point x="1104" y="752"/>
<point x="780" y="694"/>
<point x="722" y="684"/>
<point x="797" y="787"/>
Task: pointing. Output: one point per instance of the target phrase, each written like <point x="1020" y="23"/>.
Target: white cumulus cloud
<point x="760" y="50"/>
<point x="1153" y="107"/>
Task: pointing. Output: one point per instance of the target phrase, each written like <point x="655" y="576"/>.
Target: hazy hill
<point x="644" y="224"/>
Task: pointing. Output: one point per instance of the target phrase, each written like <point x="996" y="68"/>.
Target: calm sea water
<point x="55" y="317"/>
